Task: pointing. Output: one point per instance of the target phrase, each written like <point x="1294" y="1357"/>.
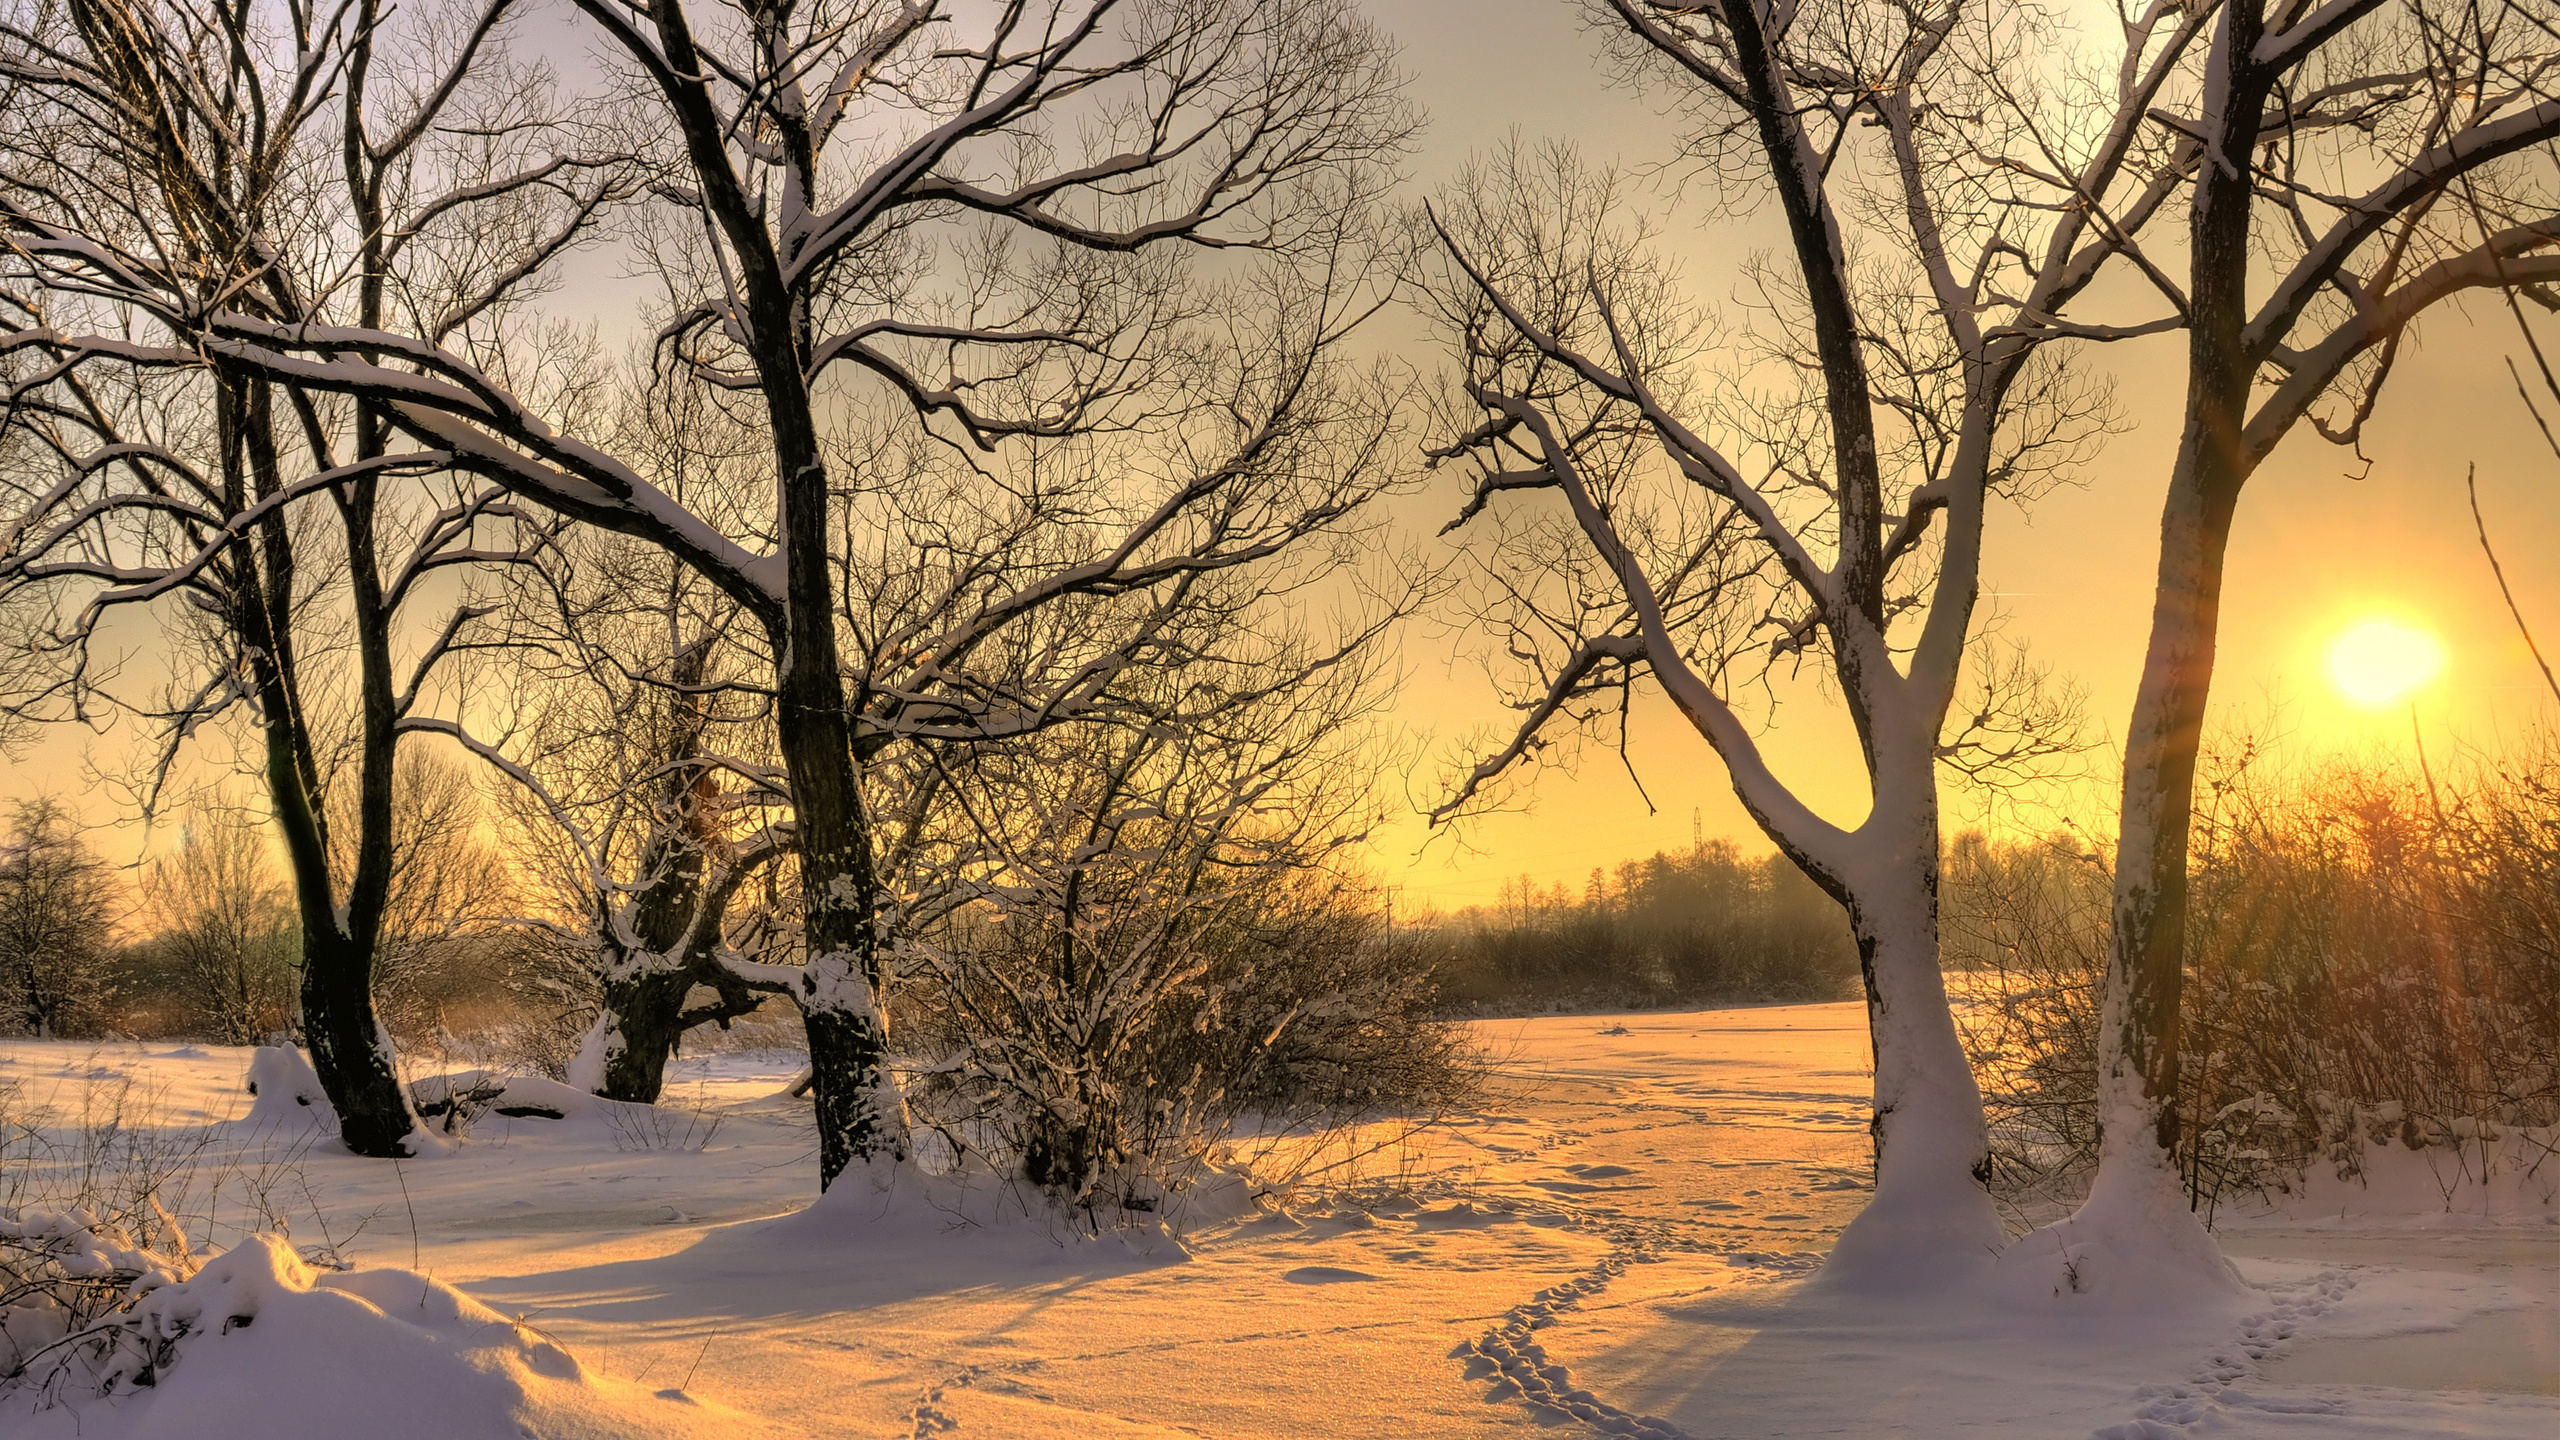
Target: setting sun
<point x="2379" y="661"/>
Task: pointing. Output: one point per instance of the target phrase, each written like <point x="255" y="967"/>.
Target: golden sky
<point x="2323" y="541"/>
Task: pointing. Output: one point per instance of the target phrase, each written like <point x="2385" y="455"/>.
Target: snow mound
<point x="517" y="1097"/>
<point x="513" y="1105"/>
<point x="286" y="1091"/>
<point x="2133" y="1245"/>
<point x="2490" y="1177"/>
<point x="890" y="1229"/>
<point x="257" y="1345"/>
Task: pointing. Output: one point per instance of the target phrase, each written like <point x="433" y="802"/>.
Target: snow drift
<point x="258" y="1345"/>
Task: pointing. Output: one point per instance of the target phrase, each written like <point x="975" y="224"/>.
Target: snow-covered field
<point x="1618" y="1243"/>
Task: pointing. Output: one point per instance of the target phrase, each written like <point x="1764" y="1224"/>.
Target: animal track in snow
<point x="1518" y="1365"/>
<point x="928" y="1418"/>
<point x="2166" y="1410"/>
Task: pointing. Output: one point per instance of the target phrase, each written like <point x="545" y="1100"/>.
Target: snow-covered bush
<point x="2373" y="957"/>
<point x="103" y="1203"/>
<point x="64" y="1274"/>
<point x="256" y="1342"/>
<point x="1155" y="943"/>
<point x="1105" y="1061"/>
<point x="84" y="1228"/>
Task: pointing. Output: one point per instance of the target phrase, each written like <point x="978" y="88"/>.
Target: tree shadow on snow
<point x="1765" y="1360"/>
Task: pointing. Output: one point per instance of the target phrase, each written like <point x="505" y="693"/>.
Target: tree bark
<point x="860" y="1115"/>
<point x="1931" y="1216"/>
<point x="348" y="1047"/>
<point x="2139" y="1029"/>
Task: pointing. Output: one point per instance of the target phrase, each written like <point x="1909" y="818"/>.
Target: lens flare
<point x="2379" y="661"/>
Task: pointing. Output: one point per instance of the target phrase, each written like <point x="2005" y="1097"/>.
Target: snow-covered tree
<point x="295" y="166"/>
<point x="1828" y="505"/>
<point x="641" y="774"/>
<point x="979" y="214"/>
<point x="2360" y="164"/>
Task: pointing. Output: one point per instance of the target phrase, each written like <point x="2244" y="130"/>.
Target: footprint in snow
<point x="1325" y="1275"/>
<point x="1597" y="1172"/>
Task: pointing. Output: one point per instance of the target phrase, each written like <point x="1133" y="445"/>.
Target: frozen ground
<point x="1618" y="1244"/>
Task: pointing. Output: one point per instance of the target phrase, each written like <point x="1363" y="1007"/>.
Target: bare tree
<point x="2301" y="288"/>
<point x="225" y="927"/>
<point x="1827" y="502"/>
<point x="1064" y="151"/>
<point x="172" y="163"/>
<point x="1156" y="935"/>
<point x="647" y="790"/>
<point x="56" y="925"/>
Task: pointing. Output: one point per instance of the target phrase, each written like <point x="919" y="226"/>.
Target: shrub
<point x="57" y="972"/>
<point x="2372" y="955"/>
<point x="1105" y="1059"/>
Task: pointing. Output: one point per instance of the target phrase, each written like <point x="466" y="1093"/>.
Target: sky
<point x="2323" y="540"/>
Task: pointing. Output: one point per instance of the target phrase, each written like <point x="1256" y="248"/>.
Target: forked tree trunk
<point x="348" y="1049"/>
<point x="637" y="1027"/>
<point x="642" y="1020"/>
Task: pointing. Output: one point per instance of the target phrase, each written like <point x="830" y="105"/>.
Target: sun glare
<point x="2379" y="661"/>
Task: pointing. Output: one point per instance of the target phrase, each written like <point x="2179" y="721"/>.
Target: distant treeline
<point x="1709" y="924"/>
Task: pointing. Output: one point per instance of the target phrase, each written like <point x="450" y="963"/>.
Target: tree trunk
<point x="2136" y="1218"/>
<point x="626" y="1052"/>
<point x="642" y="1020"/>
<point x="860" y="1115"/>
<point x="2139" y="1029"/>
<point x="348" y="1048"/>
<point x="1931" y="1217"/>
<point x="341" y="972"/>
